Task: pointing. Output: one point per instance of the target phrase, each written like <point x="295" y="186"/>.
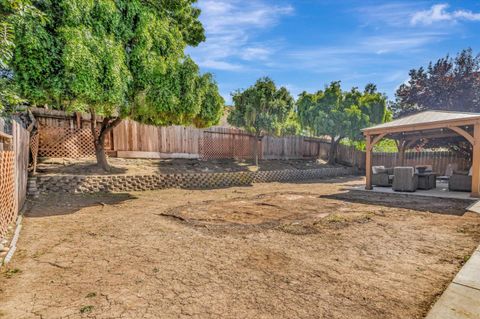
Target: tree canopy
<point x="451" y="84"/>
<point x="262" y="109"/>
<point x="9" y="98"/>
<point x="341" y="114"/>
<point x="118" y="59"/>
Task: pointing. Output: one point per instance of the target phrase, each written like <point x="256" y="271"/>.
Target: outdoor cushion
<point x="375" y="169"/>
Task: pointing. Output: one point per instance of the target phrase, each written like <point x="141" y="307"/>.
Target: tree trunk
<point x="108" y="124"/>
<point x="255" y="151"/>
<point x="332" y="154"/>
<point x="102" y="161"/>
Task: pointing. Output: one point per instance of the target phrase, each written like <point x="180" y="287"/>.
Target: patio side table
<point x="427" y="181"/>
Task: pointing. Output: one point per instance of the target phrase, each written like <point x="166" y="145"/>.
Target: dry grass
<point x="267" y="251"/>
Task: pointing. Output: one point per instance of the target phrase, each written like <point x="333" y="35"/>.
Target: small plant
<point x="336" y="219"/>
<point x="10" y="272"/>
<point x="86" y="309"/>
<point x="465" y="259"/>
<point x="91" y="295"/>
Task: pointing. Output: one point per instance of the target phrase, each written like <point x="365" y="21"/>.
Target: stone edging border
<point x="123" y="183"/>
<point x="16" y="236"/>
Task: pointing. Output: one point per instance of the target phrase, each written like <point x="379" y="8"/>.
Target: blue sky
<point x="305" y="44"/>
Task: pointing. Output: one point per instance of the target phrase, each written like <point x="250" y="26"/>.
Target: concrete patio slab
<point x="440" y="192"/>
<point x="475" y="207"/>
<point x="461" y="299"/>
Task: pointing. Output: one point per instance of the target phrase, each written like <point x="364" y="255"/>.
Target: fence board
<point x="21" y="144"/>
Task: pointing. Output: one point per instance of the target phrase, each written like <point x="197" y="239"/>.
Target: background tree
<point x="291" y="125"/>
<point x="339" y="115"/>
<point x="9" y="98"/>
<point x="261" y="109"/>
<point x="117" y="59"/>
<point x="449" y="84"/>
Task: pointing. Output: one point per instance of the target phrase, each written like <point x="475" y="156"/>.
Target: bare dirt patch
<point x="68" y="166"/>
<point x="267" y="251"/>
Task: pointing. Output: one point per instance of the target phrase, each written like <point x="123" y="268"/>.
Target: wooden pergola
<point x="428" y="125"/>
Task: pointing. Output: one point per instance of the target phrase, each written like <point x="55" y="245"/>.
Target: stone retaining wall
<point x="126" y="183"/>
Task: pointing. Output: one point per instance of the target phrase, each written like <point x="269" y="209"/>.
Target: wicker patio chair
<point x="405" y="179"/>
<point x="382" y="176"/>
<point x="460" y="182"/>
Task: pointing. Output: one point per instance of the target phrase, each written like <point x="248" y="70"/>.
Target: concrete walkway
<point x="461" y="299"/>
<point x="475" y="207"/>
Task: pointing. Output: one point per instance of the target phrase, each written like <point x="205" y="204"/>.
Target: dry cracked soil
<point x="280" y="250"/>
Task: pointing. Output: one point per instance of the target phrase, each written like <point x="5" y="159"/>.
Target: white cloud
<point x="440" y="13"/>
<point x="221" y="16"/>
<point x="256" y="53"/>
<point x="220" y="65"/>
<point x="394" y="14"/>
<point x="389" y="43"/>
<point x="347" y="56"/>
<point x="231" y="26"/>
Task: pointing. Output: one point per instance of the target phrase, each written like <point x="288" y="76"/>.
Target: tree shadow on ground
<point x="452" y="206"/>
<point x="320" y="180"/>
<point x="56" y="204"/>
<point x="329" y="180"/>
<point x="67" y="166"/>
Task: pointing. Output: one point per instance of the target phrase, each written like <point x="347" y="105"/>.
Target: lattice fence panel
<point x="223" y="145"/>
<point x="7" y="191"/>
<point x="65" y="142"/>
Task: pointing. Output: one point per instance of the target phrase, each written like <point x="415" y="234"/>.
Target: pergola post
<point x="476" y="161"/>
<point x="368" y="162"/>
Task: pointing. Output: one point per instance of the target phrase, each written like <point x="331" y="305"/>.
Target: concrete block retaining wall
<point x="126" y="183"/>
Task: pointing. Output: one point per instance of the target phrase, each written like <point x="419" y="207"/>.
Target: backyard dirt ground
<point x="280" y="250"/>
<point x="62" y="166"/>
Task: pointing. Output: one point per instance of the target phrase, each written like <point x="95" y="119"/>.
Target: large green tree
<point x="451" y="84"/>
<point x="339" y="114"/>
<point x="9" y="98"/>
<point x="262" y="109"/>
<point x="117" y="59"/>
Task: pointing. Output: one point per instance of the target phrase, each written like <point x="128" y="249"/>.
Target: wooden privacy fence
<point x="438" y="159"/>
<point x="14" y="155"/>
<point x="68" y="135"/>
<point x="64" y="135"/>
<point x="347" y="155"/>
<point x="131" y="138"/>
